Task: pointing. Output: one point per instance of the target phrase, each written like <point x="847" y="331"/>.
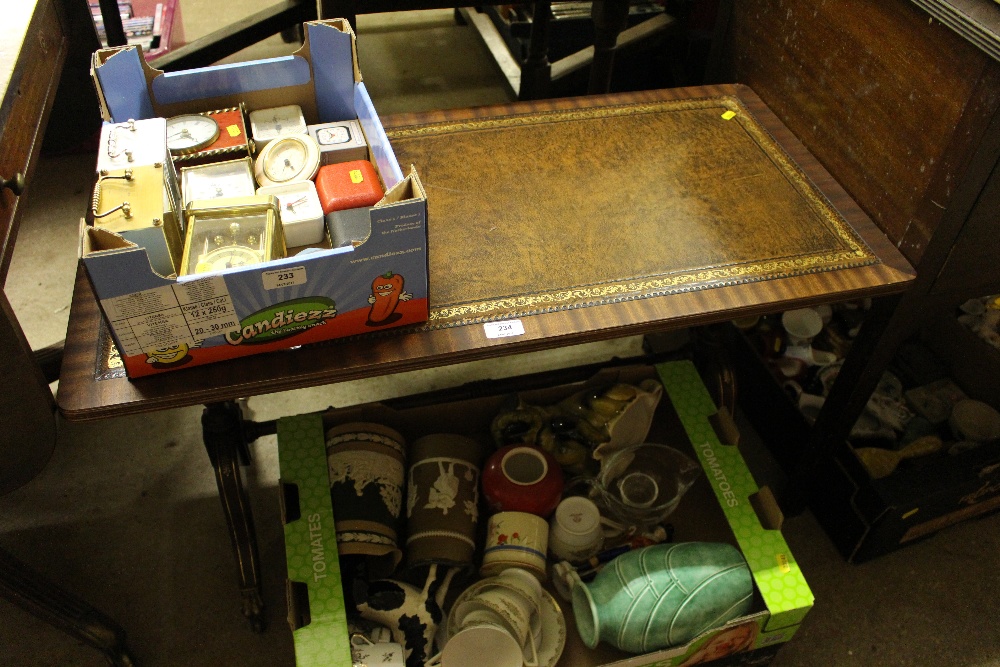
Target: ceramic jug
<point x="662" y="596"/>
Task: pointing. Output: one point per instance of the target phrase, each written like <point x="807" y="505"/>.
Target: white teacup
<point x="481" y="645"/>
<point x="575" y="531"/>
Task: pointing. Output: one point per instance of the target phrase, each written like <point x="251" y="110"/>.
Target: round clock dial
<point x="228" y="257"/>
<point x="190" y="133"/>
<point x="287" y="160"/>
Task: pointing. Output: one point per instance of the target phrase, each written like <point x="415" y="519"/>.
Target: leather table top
<point x="569" y="208"/>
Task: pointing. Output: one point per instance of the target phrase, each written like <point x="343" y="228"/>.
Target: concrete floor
<point x="126" y="513"/>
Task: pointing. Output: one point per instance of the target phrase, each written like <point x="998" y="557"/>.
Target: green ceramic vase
<point x="662" y="596"/>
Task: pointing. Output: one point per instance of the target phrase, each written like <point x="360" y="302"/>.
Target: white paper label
<point x="293" y="275"/>
<point x="503" y="329"/>
<point x="180" y="314"/>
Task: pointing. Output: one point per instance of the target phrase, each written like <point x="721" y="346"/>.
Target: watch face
<point x="217" y="180"/>
<point x="328" y="136"/>
<point x="189" y="133"/>
<point x="268" y="124"/>
<point x="287" y="160"/>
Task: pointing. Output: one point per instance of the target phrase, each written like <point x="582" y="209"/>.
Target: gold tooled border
<point x="855" y="253"/>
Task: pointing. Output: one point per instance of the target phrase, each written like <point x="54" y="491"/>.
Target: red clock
<point x="228" y="140"/>
<point x="348" y="185"/>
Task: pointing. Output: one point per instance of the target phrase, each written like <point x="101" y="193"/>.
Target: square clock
<point x="231" y="234"/>
<point x="300" y="212"/>
<point x="218" y="180"/>
<point x="268" y="124"/>
<point x="341" y="141"/>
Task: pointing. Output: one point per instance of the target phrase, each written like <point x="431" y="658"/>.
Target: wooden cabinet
<point x="35" y="39"/>
<point x="904" y="111"/>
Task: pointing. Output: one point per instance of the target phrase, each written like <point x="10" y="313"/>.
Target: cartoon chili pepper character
<point x="387" y="292"/>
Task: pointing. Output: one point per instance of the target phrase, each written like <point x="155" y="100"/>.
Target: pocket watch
<point x="268" y="124"/>
<point x="287" y="160"/>
<point x="191" y="132"/>
<point x="209" y="136"/>
<point x="232" y="234"/>
<point x="217" y="180"/>
<point x="300" y="212"/>
<point x="341" y="141"/>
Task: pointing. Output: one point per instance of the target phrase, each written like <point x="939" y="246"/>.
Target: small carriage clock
<point x="231" y="234"/>
<point x="209" y="136"/>
<point x="232" y="178"/>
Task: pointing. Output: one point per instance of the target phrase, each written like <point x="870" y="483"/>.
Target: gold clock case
<point x="206" y="211"/>
<point x="134" y="204"/>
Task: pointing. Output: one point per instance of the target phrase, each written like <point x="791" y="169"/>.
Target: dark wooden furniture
<point x="40" y="37"/>
<point x="768" y="228"/>
<point x="609" y="21"/>
<point x="904" y="111"/>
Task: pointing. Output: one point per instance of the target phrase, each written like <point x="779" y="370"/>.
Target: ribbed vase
<point x="663" y="595"/>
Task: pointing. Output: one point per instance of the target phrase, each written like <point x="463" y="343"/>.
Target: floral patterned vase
<point x="663" y="595"/>
<point x="367" y="464"/>
<point x="442" y="506"/>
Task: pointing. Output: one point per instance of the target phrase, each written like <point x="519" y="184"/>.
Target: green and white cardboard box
<point x="726" y="505"/>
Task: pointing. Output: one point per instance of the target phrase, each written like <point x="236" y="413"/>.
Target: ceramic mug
<point x="516" y="539"/>
<point x="442" y="505"/>
<point x="522" y="478"/>
<point x="514" y="598"/>
<point x="365" y="652"/>
<point x="367" y="468"/>
<point x="575" y="532"/>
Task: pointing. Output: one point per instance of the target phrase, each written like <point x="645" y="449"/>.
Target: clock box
<point x="348" y="185"/>
<point x="227" y="304"/>
<point x="340" y="141"/>
<point x="300" y="213"/>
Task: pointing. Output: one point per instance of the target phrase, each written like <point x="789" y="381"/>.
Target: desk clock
<point x="231" y="234"/>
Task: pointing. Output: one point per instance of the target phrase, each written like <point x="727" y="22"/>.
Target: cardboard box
<point x="161" y="323"/>
<point x="724" y="505"/>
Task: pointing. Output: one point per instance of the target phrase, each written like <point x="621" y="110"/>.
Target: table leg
<point x="610" y="18"/>
<point x="35" y="594"/>
<point x="223" y="430"/>
<point x="536" y="73"/>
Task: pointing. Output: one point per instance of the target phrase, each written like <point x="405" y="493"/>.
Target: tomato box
<point x="162" y="321"/>
<point x="724" y="505"/>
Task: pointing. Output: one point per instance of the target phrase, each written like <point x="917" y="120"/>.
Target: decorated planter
<point x="367" y="464"/>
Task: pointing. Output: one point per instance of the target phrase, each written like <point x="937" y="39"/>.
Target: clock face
<point x="267" y="124"/>
<point x="217" y="180"/>
<point x="229" y="241"/>
<point x="227" y="257"/>
<point x="329" y="136"/>
<point x="190" y="132"/>
<point x="287" y="160"/>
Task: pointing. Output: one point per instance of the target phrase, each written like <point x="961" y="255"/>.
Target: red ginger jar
<point x="522" y="478"/>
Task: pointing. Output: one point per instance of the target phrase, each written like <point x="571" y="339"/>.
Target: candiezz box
<point x="161" y="322"/>
<point x="724" y="505"/>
